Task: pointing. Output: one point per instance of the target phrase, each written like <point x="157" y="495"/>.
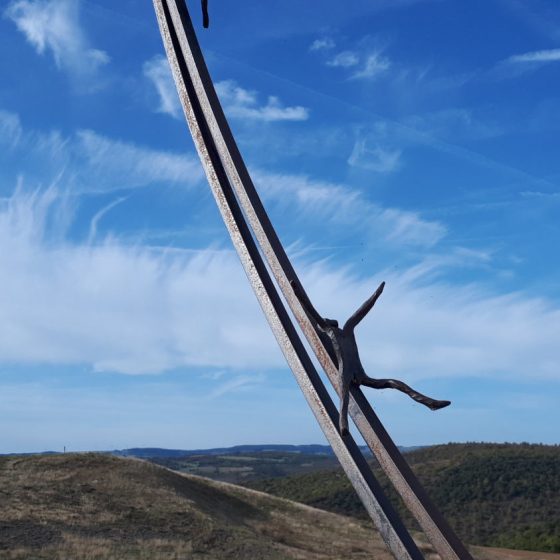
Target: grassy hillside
<point x="496" y="495"/>
<point x="92" y="506"/>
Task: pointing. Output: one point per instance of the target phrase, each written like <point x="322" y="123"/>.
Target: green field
<point x="241" y="468"/>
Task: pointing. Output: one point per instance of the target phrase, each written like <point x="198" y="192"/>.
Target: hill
<point x="103" y="507"/>
<point x="99" y="506"/>
<point x="238" y="464"/>
<point x="492" y="494"/>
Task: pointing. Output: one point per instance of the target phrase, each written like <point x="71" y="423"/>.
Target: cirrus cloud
<point x="344" y="59"/>
<point x="136" y="309"/>
<point x="324" y="44"/>
<point x="550" y="55"/>
<point x="243" y="104"/>
<point x="158" y="72"/>
<point x="238" y="102"/>
<point x="54" y="26"/>
<point x="373" y="65"/>
<point x="92" y="162"/>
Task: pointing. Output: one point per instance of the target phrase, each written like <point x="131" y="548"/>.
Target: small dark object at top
<point x="350" y="366"/>
<point x="205" y="17"/>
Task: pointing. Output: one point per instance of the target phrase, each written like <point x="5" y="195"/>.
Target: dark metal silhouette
<point x="350" y="367"/>
<point x="205" y="16"/>
<point x="251" y="232"/>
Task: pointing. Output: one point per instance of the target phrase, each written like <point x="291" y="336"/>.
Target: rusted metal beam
<point x="356" y="467"/>
<point x="434" y="525"/>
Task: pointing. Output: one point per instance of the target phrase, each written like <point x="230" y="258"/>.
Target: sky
<point x="410" y="141"/>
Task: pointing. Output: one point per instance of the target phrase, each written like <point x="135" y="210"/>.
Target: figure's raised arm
<point x="306" y="304"/>
<point x="364" y="309"/>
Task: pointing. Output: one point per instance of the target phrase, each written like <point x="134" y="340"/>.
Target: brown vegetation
<point x="92" y="506"/>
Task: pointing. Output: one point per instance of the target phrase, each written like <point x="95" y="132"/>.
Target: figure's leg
<point x="403" y="387"/>
<point x="343" y="418"/>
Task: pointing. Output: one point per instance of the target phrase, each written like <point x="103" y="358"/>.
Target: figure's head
<point x="331" y="323"/>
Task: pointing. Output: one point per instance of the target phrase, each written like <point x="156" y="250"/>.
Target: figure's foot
<point x="343" y="429"/>
<point x="436" y="405"/>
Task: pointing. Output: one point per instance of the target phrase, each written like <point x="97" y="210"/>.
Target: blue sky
<point x="411" y="141"/>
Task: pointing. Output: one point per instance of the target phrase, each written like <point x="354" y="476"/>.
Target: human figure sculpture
<point x="350" y="367"/>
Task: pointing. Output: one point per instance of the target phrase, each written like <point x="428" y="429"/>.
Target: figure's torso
<point x="346" y="350"/>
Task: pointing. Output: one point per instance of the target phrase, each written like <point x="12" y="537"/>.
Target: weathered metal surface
<point x="177" y="22"/>
<point x="391" y="528"/>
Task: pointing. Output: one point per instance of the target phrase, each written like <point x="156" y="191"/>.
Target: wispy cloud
<point x="10" y="129"/>
<point x="524" y="63"/>
<point x="454" y="123"/>
<point x="551" y="55"/>
<point x="366" y="59"/>
<point x="545" y="196"/>
<point x="129" y="309"/>
<point x="54" y="26"/>
<point x="243" y="104"/>
<point x="158" y="72"/>
<point x="374" y="65"/>
<point x="238" y="102"/>
<point x="99" y="215"/>
<point x="344" y="59"/>
<point x="377" y="158"/>
<point x="324" y="44"/>
<point x="342" y="206"/>
<point x="93" y="162"/>
<point x="439" y="131"/>
<point x="236" y="384"/>
<point x="112" y="164"/>
<point x="135" y="309"/>
<point x="424" y="327"/>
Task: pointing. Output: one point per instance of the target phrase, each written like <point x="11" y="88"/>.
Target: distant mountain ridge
<point x="153" y="452"/>
<point x="311" y="449"/>
<point x="150" y="452"/>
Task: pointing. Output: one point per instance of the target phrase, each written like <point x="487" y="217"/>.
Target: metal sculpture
<point x="350" y="368"/>
<point x="205" y="16"/>
<point x="255" y="240"/>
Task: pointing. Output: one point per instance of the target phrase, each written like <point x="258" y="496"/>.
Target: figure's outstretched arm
<point x="307" y="305"/>
<point x="364" y="309"/>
